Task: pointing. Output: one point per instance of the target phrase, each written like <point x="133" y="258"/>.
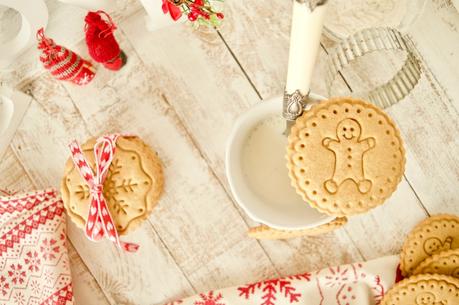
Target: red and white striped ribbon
<point x="100" y="222"/>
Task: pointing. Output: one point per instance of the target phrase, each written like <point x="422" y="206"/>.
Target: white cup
<point x="34" y="15"/>
<point x="292" y="214"/>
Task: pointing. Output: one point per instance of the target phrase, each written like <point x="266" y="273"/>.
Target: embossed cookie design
<point x="426" y="289"/>
<point x="446" y="262"/>
<point x="348" y="150"/>
<point x="132" y="187"/>
<point x="345" y="156"/>
<point x="432" y="236"/>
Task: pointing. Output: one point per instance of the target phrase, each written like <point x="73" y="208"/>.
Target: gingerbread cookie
<point x="446" y="262"/>
<point x="431" y="236"/>
<point x="426" y="289"/>
<point x="345" y="156"/>
<point x="132" y="188"/>
<point x="265" y="232"/>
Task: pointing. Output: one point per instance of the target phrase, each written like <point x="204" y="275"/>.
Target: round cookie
<point x="426" y="289"/>
<point x="446" y="262"/>
<point x="345" y="156"/>
<point x="132" y="188"/>
<point x="433" y="235"/>
<point x="265" y="232"/>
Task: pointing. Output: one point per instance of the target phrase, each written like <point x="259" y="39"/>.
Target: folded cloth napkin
<point x="354" y="284"/>
<point x="34" y="263"/>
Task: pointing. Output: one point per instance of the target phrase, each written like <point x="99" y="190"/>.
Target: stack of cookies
<point x="345" y="156"/>
<point x="430" y="264"/>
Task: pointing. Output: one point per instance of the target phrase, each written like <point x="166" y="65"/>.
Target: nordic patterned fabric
<point x="34" y="263"/>
<point x="354" y="284"/>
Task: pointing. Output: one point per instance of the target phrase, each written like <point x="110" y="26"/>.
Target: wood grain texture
<point x="181" y="91"/>
<point x="53" y="114"/>
<point x="428" y="117"/>
<point x="195" y="219"/>
<point x="210" y="115"/>
<point x="368" y="232"/>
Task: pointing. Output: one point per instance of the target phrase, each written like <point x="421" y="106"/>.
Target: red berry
<point x="220" y="15"/>
<point x="192" y="16"/>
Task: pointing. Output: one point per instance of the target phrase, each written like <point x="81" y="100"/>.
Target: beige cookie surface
<point x="426" y="289"/>
<point x="132" y="188"/>
<point x="446" y="262"/>
<point x="433" y="235"/>
<point x="265" y="232"/>
<point x="345" y="156"/>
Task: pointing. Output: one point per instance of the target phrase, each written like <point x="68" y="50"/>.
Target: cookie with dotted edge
<point x="265" y="232"/>
<point x="446" y="262"/>
<point x="132" y="188"/>
<point x="425" y="289"/>
<point x="431" y="236"/>
<point x="345" y="156"/>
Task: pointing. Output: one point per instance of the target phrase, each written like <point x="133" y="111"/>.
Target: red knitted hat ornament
<point x="102" y="45"/>
<point x="63" y="63"/>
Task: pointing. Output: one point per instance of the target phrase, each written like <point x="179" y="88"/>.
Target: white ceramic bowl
<point x="6" y="110"/>
<point x="293" y="214"/>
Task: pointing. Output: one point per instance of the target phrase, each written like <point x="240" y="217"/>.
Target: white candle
<point x="304" y="45"/>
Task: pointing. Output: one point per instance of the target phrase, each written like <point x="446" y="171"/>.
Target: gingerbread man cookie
<point x="349" y="150"/>
<point x="345" y="156"/>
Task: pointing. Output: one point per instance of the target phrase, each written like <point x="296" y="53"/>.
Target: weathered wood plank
<point x="86" y="290"/>
<point x="428" y="117"/>
<point x="210" y="114"/>
<point x="436" y="35"/>
<point x="270" y="66"/>
<point x="41" y="145"/>
<point x="13" y="176"/>
<point x="195" y="219"/>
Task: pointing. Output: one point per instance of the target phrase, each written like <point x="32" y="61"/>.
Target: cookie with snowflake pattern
<point x="265" y="232"/>
<point x="431" y="236"/>
<point x="426" y="289"/>
<point x="345" y="156"/>
<point x="133" y="185"/>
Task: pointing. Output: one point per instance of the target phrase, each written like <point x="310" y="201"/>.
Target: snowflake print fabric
<point x="34" y="267"/>
<point x="354" y="284"/>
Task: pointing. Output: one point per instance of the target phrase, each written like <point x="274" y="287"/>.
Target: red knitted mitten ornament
<point x="102" y="45"/>
<point x="63" y="63"/>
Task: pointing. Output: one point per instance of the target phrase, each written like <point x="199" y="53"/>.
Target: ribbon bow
<point x="100" y="222"/>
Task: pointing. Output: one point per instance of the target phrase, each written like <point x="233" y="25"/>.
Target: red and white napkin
<point x="354" y="284"/>
<point x="34" y="263"/>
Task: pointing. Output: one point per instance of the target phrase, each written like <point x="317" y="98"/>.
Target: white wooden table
<point x="181" y="91"/>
